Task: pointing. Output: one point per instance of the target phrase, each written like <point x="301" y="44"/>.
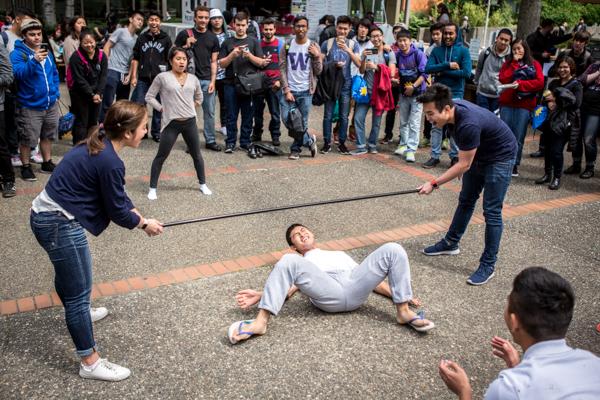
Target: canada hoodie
<point x="37" y="83"/>
<point x="151" y="51"/>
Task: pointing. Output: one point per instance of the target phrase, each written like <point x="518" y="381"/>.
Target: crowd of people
<point x="351" y="71"/>
<point x="348" y="68"/>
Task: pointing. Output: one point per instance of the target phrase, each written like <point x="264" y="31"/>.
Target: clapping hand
<point x="503" y="349"/>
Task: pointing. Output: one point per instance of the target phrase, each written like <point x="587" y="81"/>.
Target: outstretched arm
<point x="247" y="298"/>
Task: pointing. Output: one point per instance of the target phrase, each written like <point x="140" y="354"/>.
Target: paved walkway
<point x="171" y="297"/>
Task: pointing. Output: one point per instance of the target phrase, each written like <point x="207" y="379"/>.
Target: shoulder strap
<point x="329" y="45"/>
<point x="100" y="55"/>
<point x="190" y="32"/>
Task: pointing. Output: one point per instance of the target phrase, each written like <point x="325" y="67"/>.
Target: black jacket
<point x="538" y="43"/>
<point x="152" y="52"/>
<point x="581" y="63"/>
<point x="565" y="120"/>
<point x="88" y="79"/>
<point x="329" y="86"/>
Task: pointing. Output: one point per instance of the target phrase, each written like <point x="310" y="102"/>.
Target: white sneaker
<point x="400" y="150"/>
<point x="224" y="130"/>
<point x="36" y="157"/>
<point x="410" y="156"/>
<point x="152" y="194"/>
<point x="104" y="370"/>
<point x="205" y="190"/>
<point x="16" y="161"/>
<point x="98" y="313"/>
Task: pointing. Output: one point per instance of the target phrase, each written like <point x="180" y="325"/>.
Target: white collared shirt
<point x="331" y="262"/>
<point x="549" y="370"/>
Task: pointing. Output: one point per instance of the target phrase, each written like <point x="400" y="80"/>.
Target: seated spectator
<point x="538" y="313"/>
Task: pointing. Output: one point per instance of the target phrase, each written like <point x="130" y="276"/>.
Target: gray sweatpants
<point x="341" y="291"/>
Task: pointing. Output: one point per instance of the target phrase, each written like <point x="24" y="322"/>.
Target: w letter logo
<point x="298" y="61"/>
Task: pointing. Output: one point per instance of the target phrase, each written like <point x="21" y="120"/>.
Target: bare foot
<point x="247" y="329"/>
<point x="415" y="302"/>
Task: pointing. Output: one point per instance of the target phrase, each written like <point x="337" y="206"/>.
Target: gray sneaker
<point x="9" y="190"/>
<point x="294" y="155"/>
<point x="358" y="152"/>
<point x="104" y="370"/>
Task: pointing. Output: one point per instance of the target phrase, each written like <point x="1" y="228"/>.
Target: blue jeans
<point x="303" y="103"/>
<point x="517" y="120"/>
<point x="489" y="103"/>
<point x="235" y="104"/>
<point x="590" y="124"/>
<point x="436" y="144"/>
<point x="360" y="118"/>
<point x="410" y="122"/>
<point x="272" y="100"/>
<point x="139" y="96"/>
<point x="65" y="242"/>
<point x="493" y="180"/>
<point x="208" y="111"/>
<point x="114" y="86"/>
<point x="344" y="110"/>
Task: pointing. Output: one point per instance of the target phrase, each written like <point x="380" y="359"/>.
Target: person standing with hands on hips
<point x="87" y="191"/>
<point x="486" y="154"/>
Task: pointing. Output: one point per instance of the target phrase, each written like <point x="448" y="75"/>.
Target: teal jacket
<point x="438" y="65"/>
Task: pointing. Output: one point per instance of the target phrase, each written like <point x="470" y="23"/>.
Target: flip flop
<point x="418" y="328"/>
<point x="238" y="325"/>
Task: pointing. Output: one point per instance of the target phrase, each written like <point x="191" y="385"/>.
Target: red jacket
<point x="382" y="98"/>
<point x="508" y="97"/>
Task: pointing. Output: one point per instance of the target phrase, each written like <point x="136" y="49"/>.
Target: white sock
<point x="205" y="190"/>
<point x="91" y="367"/>
<point x="152" y="194"/>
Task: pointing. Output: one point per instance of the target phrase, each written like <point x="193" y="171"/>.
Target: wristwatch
<point x="434" y="184"/>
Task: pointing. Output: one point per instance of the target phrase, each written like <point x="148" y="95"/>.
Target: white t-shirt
<point x="12" y="38"/>
<point x="331" y="261"/>
<point x="298" y="66"/>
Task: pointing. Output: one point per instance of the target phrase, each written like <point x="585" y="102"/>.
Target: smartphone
<point x="45" y="46"/>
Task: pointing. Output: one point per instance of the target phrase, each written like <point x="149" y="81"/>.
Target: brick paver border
<point x="190" y="273"/>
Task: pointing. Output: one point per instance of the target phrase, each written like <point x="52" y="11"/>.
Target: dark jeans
<point x="517" y="120"/>
<point x="344" y="111"/>
<point x="12" y="138"/>
<point x="235" y="105"/>
<point x="6" y="169"/>
<point x="65" y="242"/>
<point x="272" y="100"/>
<point x="168" y="138"/>
<point x="590" y="124"/>
<point x="427" y="129"/>
<point x="493" y="180"/>
<point x="86" y="115"/>
<point x="554" y="159"/>
<point x="489" y="103"/>
<point x="220" y="87"/>
<point x="139" y="96"/>
<point x="303" y="103"/>
<point x="390" y="116"/>
<point x="113" y="87"/>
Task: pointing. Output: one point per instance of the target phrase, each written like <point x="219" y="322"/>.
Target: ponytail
<point x="122" y="117"/>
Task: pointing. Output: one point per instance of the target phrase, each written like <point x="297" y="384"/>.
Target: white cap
<point x="215" y="13"/>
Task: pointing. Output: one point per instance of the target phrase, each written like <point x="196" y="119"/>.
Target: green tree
<point x="562" y="11"/>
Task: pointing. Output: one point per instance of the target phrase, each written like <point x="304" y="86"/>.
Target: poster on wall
<point x="315" y="9"/>
<point x="299" y="7"/>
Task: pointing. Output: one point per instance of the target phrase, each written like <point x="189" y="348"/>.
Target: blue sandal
<point x="420" y="328"/>
<point x="238" y="325"/>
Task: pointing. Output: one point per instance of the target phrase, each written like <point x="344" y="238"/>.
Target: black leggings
<point x="86" y="115"/>
<point x="168" y="137"/>
<point x="553" y="154"/>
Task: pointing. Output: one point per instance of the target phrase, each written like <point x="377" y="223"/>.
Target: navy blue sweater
<point x="92" y="188"/>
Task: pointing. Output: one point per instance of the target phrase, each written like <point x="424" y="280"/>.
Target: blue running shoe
<point x="441" y="248"/>
<point x="481" y="276"/>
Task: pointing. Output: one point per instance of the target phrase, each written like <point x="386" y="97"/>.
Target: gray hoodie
<point x="6" y="74"/>
<point x="488" y="68"/>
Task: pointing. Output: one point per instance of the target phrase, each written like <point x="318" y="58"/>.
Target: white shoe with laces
<point x="152" y="194"/>
<point x="16" y="161"/>
<point x="36" y="157"/>
<point x="104" y="370"/>
<point x="205" y="190"/>
<point x="98" y="313"/>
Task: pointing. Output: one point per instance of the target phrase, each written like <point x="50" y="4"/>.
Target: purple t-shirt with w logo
<point x="298" y="64"/>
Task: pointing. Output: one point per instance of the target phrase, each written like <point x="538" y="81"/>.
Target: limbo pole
<point x="290" y="207"/>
